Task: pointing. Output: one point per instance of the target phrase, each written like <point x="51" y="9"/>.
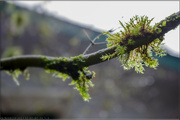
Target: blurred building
<point x="117" y="93"/>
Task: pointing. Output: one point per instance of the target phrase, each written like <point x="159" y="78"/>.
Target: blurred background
<point x="117" y="93"/>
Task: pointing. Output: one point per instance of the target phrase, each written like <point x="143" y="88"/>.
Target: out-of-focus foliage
<point x="18" y="21"/>
<point x="12" y="51"/>
<point x="44" y="29"/>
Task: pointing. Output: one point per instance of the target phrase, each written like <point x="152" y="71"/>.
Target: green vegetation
<point x="81" y="84"/>
<point x="64" y="68"/>
<point x="81" y="76"/>
<point x="15" y="74"/>
<point x="136" y="28"/>
<point x="12" y="51"/>
<point x="135" y="46"/>
<point x="19" y="20"/>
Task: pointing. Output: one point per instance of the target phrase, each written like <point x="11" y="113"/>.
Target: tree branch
<point x="22" y="62"/>
<point x="171" y="23"/>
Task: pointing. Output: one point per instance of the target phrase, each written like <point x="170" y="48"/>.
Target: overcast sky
<point x="104" y="15"/>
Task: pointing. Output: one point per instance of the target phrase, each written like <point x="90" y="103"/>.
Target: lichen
<point x="136" y="28"/>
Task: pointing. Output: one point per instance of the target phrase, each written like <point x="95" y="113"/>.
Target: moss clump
<point x="83" y="83"/>
<point x="68" y="67"/>
<point x="64" y="68"/>
<point x="136" y="28"/>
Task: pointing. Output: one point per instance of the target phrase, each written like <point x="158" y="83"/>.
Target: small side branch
<point x="92" y="42"/>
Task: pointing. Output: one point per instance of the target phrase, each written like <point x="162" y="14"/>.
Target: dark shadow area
<point x="29" y="116"/>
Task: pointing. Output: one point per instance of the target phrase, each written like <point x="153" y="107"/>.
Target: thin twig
<point x="92" y="42"/>
<point x="88" y="36"/>
<point x="87" y="49"/>
<point x="100" y="43"/>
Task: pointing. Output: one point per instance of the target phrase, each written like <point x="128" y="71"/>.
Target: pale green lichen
<point x="137" y="27"/>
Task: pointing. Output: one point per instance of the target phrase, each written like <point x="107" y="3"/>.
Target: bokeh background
<point x="117" y="93"/>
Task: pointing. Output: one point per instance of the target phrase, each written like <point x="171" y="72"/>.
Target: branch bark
<point x="22" y="62"/>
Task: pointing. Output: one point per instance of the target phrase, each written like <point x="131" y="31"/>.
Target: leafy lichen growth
<point x="81" y="76"/>
<point x="136" y="28"/>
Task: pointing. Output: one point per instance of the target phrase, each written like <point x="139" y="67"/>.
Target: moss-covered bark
<point x="76" y="66"/>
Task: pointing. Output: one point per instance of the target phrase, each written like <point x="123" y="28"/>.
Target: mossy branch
<point x="25" y="61"/>
<point x="22" y="62"/>
<point x="76" y="66"/>
<point x="171" y="23"/>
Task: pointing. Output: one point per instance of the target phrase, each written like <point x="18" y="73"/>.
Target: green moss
<point x="137" y="27"/>
<point x="64" y="68"/>
<point x="77" y="59"/>
<point x="83" y="83"/>
<point x="164" y="23"/>
<point x="177" y="17"/>
<point x="58" y="74"/>
<point x="16" y="73"/>
<point x="68" y="67"/>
